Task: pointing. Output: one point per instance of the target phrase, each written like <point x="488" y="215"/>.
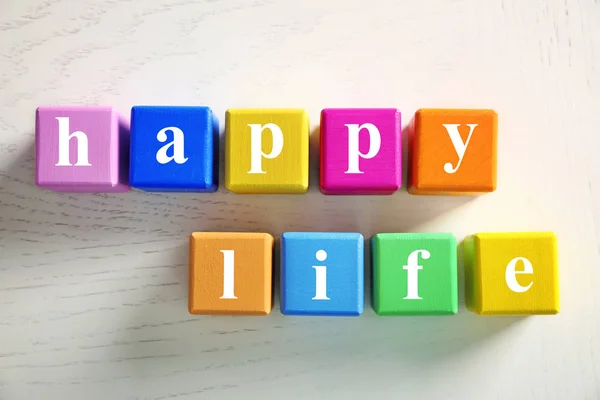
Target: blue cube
<point x="174" y="149"/>
<point x="322" y="273"/>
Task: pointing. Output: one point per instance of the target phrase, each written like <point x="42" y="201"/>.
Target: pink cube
<point x="81" y="149"/>
<point x="361" y="151"/>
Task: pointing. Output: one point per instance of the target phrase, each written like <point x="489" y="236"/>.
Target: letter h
<point x="64" y="139"/>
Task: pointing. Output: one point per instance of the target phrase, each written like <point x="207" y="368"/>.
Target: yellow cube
<point x="266" y="150"/>
<point x="512" y="273"/>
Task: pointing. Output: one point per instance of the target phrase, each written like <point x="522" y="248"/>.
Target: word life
<point x="176" y="149"/>
<point x="322" y="273"/>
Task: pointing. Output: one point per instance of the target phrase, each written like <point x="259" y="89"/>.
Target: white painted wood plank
<point x="93" y="288"/>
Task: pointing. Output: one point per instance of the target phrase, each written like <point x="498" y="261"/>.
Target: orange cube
<point x="453" y="152"/>
<point x="230" y="273"/>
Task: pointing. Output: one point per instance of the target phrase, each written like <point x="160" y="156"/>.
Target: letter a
<point x="354" y="153"/>
<point x="458" y="144"/>
<point x="177" y="144"/>
<point x="64" y="139"/>
<point x="228" y="273"/>
<point x="511" y="274"/>
<point x="256" y="153"/>
<point x="413" y="267"/>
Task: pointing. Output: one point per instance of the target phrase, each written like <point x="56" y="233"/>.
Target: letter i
<point x="321" y="276"/>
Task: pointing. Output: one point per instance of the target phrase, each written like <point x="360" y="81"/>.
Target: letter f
<point x="413" y="267"/>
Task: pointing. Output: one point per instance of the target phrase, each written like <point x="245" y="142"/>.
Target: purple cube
<point x="361" y="151"/>
<point x="81" y="149"/>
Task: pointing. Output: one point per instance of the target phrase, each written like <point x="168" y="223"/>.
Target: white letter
<point x="321" y="271"/>
<point x="64" y="137"/>
<point x="353" y="145"/>
<point x="458" y="144"/>
<point x="177" y="144"/>
<point x="256" y="152"/>
<point x="511" y="274"/>
<point x="413" y="267"/>
<point x="228" y="275"/>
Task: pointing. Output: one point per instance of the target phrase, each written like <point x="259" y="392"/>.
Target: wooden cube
<point x="174" y="149"/>
<point x="414" y="274"/>
<point x="230" y="273"/>
<point x="453" y="152"/>
<point x="81" y="149"/>
<point x="512" y="273"/>
<point x="322" y="273"/>
<point x="361" y="151"/>
<point x="266" y="150"/>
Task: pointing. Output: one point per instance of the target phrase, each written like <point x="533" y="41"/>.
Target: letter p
<point x="354" y="154"/>
<point x="256" y="153"/>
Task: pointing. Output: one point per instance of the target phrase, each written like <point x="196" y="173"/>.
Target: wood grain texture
<point x="512" y="273"/>
<point x="230" y="273"/>
<point x="81" y="150"/>
<point x="322" y="273"/>
<point x="93" y="288"/>
<point x="453" y="152"/>
<point x="174" y="149"/>
<point x="414" y="274"/>
<point x="266" y="151"/>
<point x="360" y="151"/>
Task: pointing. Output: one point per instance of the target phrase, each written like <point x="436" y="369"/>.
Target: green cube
<point x="414" y="274"/>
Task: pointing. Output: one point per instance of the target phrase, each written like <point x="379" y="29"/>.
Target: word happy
<point x="175" y="149"/>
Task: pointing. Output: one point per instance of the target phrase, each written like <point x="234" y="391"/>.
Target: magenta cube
<point x="361" y="151"/>
<point x="81" y="149"/>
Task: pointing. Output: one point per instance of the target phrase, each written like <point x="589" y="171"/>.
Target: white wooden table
<point x="93" y="288"/>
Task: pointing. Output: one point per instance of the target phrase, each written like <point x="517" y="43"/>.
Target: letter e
<point x="511" y="274"/>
